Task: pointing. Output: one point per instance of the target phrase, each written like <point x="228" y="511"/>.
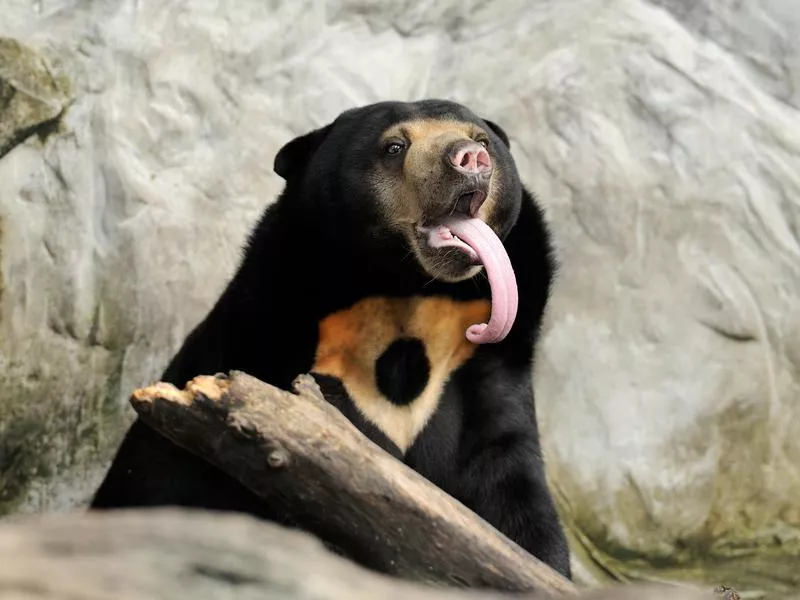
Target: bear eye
<point x="483" y="142"/>
<point x="395" y="147"/>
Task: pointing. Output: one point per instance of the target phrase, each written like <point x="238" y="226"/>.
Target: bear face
<point x="407" y="168"/>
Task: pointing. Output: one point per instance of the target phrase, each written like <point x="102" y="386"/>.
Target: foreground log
<point x="177" y="555"/>
<point x="338" y="484"/>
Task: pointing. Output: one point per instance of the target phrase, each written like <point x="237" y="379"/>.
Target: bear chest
<point x="394" y="357"/>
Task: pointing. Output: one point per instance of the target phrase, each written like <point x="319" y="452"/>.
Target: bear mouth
<point x="476" y="244"/>
<point x="440" y="236"/>
<point x="470" y="202"/>
<point x="437" y="235"/>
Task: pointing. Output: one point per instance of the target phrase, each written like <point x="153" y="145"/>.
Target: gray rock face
<point x="761" y="35"/>
<point x="174" y="555"/>
<point x="663" y="139"/>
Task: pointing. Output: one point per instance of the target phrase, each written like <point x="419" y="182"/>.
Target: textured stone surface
<point x="178" y="555"/>
<point x="662" y="137"/>
<point x="761" y="35"/>
<point x="31" y="97"/>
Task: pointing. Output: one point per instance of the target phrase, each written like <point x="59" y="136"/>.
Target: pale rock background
<point x="663" y="138"/>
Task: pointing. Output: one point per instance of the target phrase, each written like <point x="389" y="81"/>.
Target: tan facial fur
<point x="420" y="189"/>
<point x="352" y="340"/>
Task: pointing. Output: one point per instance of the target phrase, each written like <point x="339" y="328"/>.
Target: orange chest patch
<point x="395" y="355"/>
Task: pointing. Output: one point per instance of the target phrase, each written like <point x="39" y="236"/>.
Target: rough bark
<point x="175" y="555"/>
<point x="337" y="484"/>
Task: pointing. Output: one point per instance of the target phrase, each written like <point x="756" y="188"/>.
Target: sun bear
<point x="407" y="268"/>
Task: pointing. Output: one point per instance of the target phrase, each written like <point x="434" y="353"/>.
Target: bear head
<point x="428" y="179"/>
<point x="404" y="168"/>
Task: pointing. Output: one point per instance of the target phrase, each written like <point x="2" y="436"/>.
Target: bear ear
<point x="293" y="157"/>
<point x="499" y="131"/>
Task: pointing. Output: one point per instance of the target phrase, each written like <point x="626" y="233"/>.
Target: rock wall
<point x="663" y="138"/>
<point x="174" y="555"/>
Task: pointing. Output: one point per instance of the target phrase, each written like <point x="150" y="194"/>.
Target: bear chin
<point x="450" y="265"/>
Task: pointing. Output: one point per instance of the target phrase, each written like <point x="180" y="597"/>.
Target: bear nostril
<point x="471" y="158"/>
<point x="483" y="161"/>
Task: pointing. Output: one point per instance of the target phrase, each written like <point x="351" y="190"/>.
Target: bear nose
<point x="471" y="158"/>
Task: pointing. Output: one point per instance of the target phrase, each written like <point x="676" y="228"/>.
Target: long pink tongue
<point x="480" y="237"/>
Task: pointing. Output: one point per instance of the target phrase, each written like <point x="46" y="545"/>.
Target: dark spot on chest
<point x="402" y="371"/>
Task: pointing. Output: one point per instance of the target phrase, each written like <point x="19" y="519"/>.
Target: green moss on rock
<point x="32" y="97"/>
<point x="763" y="567"/>
<point x="47" y="430"/>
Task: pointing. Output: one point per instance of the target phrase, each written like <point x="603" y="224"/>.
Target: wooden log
<point x="337" y="484"/>
<point x="169" y="554"/>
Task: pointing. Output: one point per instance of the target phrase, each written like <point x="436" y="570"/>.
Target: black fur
<point x="402" y="371"/>
<point x="319" y="249"/>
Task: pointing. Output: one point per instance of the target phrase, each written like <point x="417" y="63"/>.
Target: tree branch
<point x="337" y="484"/>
